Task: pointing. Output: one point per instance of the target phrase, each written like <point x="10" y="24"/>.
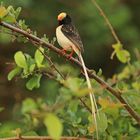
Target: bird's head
<point x="63" y="18"/>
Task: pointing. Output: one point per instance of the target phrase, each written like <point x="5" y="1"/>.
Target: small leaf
<point x="125" y="74"/>
<point x="20" y="60"/>
<point x="102" y="122"/>
<point x="123" y="56"/>
<point x="28" y="105"/>
<point x="3" y="11"/>
<point x="10" y="9"/>
<point x="13" y="73"/>
<point x="9" y="18"/>
<point x="100" y="72"/>
<point x="117" y="46"/>
<point x="73" y="105"/>
<point x="76" y="86"/>
<point x="23" y="25"/>
<point x="54" y="126"/>
<point x="44" y="38"/>
<point x="104" y="102"/>
<point x="109" y="137"/>
<point x="110" y="107"/>
<point x="73" y="83"/>
<point x="32" y="67"/>
<point x="107" y="103"/>
<point x="39" y="56"/>
<point x="18" y="10"/>
<point x="136" y="85"/>
<point x="34" y="82"/>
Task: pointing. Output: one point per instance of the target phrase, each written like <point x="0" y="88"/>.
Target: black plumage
<point x="70" y="31"/>
<point x="72" y="34"/>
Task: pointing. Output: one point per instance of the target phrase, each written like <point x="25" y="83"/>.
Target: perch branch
<point x="41" y="138"/>
<point x="113" y="91"/>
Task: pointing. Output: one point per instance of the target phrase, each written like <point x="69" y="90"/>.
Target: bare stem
<point x="113" y="91"/>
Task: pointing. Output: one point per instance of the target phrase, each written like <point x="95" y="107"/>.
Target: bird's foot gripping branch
<point x="76" y="118"/>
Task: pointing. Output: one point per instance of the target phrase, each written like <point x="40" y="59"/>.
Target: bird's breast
<point x="63" y="41"/>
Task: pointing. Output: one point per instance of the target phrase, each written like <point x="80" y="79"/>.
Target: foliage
<point x="59" y="111"/>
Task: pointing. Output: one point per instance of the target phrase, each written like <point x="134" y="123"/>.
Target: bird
<point x="69" y="39"/>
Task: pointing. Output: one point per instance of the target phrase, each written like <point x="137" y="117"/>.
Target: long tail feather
<point x="92" y="97"/>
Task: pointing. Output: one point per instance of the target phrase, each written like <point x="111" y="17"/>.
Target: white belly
<point x="63" y="41"/>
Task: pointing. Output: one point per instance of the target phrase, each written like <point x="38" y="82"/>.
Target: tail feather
<point x="92" y="97"/>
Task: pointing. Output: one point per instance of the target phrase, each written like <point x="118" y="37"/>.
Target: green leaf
<point x="22" y="24"/>
<point x="123" y="56"/>
<point x="100" y="72"/>
<point x="102" y="122"/>
<point x="76" y="86"/>
<point x="32" y="67"/>
<point x="110" y="107"/>
<point x="6" y="129"/>
<point x="9" y="18"/>
<point x="28" y="105"/>
<point x="73" y="83"/>
<point x="117" y="46"/>
<point x="39" y="57"/>
<point x="44" y="38"/>
<point x="34" y="82"/>
<point x="73" y="105"/>
<point x="109" y="137"/>
<point x="13" y="73"/>
<point x="54" y="126"/>
<point x="3" y="11"/>
<point x="136" y="85"/>
<point x="17" y="12"/>
<point x="125" y="74"/>
<point x="20" y="60"/>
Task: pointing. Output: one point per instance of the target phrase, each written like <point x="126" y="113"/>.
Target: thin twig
<point x="113" y="91"/>
<point x="41" y="138"/>
<point x="106" y="20"/>
<point x="49" y="59"/>
<point x="83" y="102"/>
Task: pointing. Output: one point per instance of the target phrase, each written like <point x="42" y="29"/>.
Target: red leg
<point x="70" y="55"/>
<point x="63" y="51"/>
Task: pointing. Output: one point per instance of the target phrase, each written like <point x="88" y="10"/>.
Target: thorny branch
<point x="113" y="91"/>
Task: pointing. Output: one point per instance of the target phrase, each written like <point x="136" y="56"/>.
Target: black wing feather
<point x="72" y="34"/>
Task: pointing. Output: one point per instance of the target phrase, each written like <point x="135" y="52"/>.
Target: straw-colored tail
<point x="92" y="97"/>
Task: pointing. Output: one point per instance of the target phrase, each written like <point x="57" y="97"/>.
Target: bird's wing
<point x="72" y="34"/>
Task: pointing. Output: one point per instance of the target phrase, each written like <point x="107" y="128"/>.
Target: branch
<point x="113" y="91"/>
<point x="41" y="138"/>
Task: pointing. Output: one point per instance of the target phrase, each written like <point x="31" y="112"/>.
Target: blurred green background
<point x="41" y="15"/>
